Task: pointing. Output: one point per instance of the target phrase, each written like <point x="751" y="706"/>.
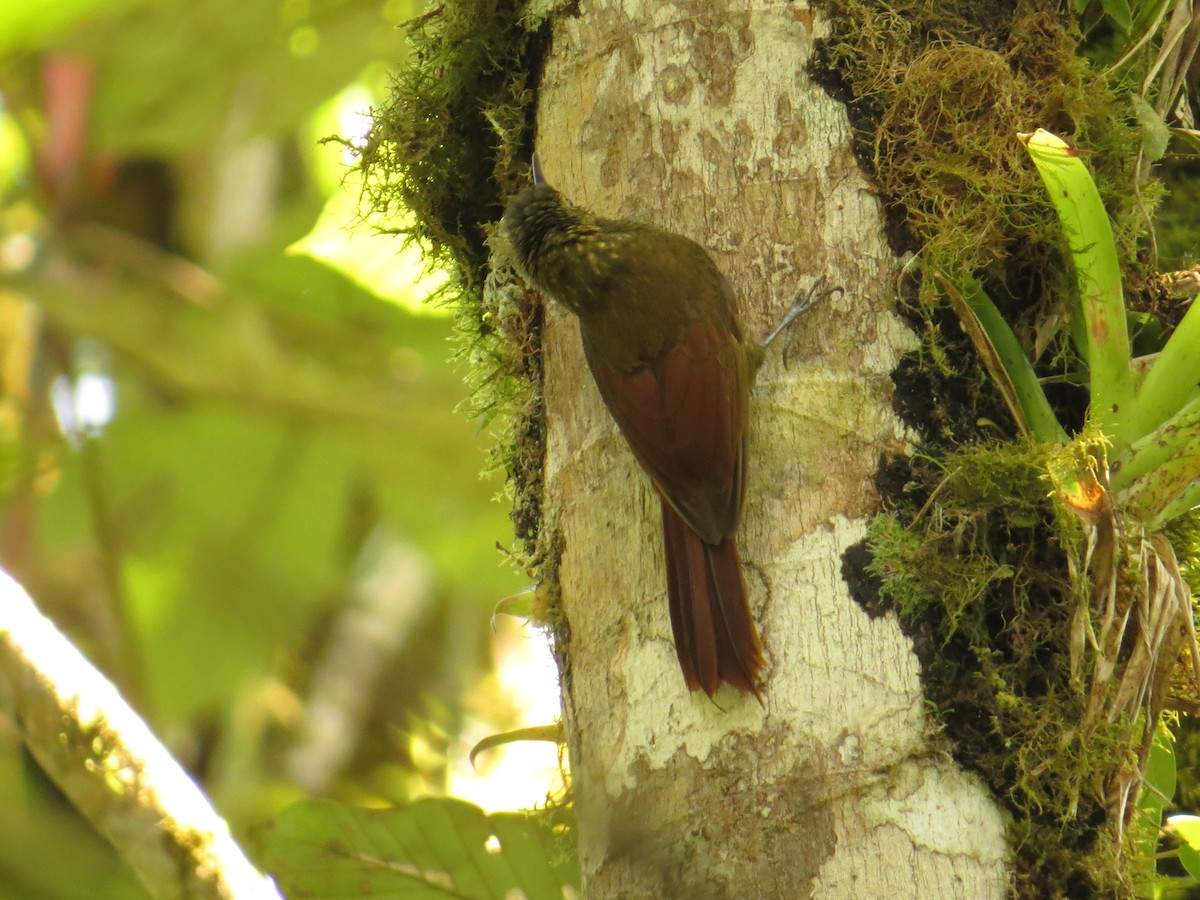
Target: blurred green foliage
<point x="273" y="417"/>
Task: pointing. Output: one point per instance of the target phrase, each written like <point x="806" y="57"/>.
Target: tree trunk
<point x="703" y="119"/>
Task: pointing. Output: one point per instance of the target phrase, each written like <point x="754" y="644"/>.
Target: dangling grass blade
<point x="551" y="733"/>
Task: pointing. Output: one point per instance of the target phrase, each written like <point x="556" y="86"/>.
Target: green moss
<point x="451" y="144"/>
<point x="984" y="568"/>
<point x="979" y="578"/>
<point x="939" y="92"/>
<point x="453" y="140"/>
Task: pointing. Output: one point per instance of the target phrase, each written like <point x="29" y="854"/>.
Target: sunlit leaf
<point x="1187" y="829"/>
<point x="433" y="848"/>
<point x="379" y="263"/>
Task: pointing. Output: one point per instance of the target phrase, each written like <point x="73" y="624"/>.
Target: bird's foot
<point x="802" y="302"/>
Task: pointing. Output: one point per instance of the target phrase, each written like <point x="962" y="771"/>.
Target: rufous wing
<point x="684" y="416"/>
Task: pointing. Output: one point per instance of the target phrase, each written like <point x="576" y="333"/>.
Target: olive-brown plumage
<point x="667" y="350"/>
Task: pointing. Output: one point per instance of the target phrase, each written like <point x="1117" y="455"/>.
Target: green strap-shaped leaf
<point x="1097" y="272"/>
<point x="1004" y="358"/>
<point x="1158" y="469"/>
<point x="1172" y="382"/>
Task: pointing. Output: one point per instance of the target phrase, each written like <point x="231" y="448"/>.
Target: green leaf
<point x="1004" y="358"/>
<point x="1184" y="503"/>
<point x="1190" y="858"/>
<point x="1155" y="133"/>
<point x="1156" y="470"/>
<point x="432" y="848"/>
<point x="1172" y="380"/>
<point x="1187" y="830"/>
<point x="1089" y="237"/>
<point x="1120" y="13"/>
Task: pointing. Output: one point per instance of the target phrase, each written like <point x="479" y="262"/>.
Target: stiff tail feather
<point x="715" y="636"/>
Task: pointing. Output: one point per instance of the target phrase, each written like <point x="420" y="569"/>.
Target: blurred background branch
<point x="105" y="759"/>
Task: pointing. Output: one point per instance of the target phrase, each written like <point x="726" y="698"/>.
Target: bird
<point x="674" y="366"/>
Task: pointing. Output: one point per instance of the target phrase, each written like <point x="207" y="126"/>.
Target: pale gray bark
<point x="700" y="117"/>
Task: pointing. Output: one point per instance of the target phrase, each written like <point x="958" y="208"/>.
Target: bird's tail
<point x="715" y="636"/>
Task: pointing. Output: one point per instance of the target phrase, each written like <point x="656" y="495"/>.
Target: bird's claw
<point x="802" y="302"/>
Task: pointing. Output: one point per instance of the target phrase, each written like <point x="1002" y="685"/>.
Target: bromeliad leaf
<point x="1004" y="358"/>
<point x="1097" y="272"/>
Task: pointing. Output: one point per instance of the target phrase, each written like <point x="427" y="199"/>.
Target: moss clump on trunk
<point x="981" y="578"/>
<point x="451" y="144"/>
